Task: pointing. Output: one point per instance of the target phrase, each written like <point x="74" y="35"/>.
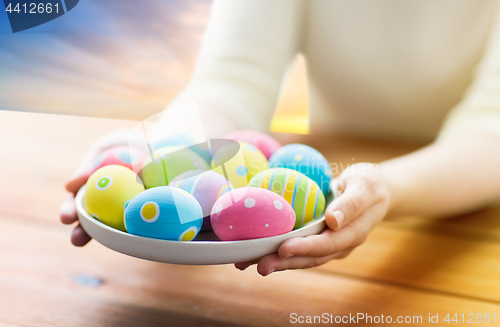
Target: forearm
<point x="445" y="178"/>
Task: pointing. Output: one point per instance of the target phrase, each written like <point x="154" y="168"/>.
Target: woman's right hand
<point x="68" y="208"/>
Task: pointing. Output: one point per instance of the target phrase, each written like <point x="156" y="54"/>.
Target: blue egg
<point x="174" y="139"/>
<point x="183" y="140"/>
<point x="164" y="212"/>
<point x="304" y="159"/>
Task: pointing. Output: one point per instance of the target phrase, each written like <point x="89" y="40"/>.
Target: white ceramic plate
<point x="205" y="249"/>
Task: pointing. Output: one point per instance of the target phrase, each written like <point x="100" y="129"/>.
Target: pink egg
<point x="206" y="187"/>
<point x="250" y="212"/>
<point x="119" y="155"/>
<point x="263" y="142"/>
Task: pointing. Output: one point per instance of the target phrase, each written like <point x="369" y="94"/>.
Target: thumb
<point x="350" y="204"/>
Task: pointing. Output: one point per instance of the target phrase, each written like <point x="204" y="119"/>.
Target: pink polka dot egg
<point x="250" y="213"/>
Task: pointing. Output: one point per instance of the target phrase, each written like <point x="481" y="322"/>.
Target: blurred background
<point x="119" y="59"/>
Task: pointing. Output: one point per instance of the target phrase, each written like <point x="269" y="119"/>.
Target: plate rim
<point x="191" y="245"/>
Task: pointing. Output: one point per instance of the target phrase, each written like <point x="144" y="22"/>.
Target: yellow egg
<point x="109" y="189"/>
<point x="240" y="168"/>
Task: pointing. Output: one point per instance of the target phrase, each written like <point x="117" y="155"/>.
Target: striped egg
<point x="164" y="212"/>
<point x="303" y="194"/>
<point x="206" y="187"/>
<point x="168" y="163"/>
<point x="306" y="160"/>
<point x="241" y="167"/>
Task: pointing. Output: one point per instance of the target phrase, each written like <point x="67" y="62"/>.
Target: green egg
<point x="168" y="163"/>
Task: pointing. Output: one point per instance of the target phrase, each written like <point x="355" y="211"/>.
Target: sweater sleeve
<point x="247" y="49"/>
<point x="479" y="110"/>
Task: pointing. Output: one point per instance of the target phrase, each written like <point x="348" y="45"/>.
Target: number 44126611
<point x="33" y="8"/>
<point x="471" y="318"/>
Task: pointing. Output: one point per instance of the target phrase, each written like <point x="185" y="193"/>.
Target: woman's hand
<point x="362" y="200"/>
<point x="68" y="209"/>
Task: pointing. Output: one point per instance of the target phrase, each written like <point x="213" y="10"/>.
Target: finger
<point x="329" y="242"/>
<point x="245" y="265"/>
<point x="348" y="206"/>
<point x="337" y="186"/>
<point x="79" y="237"/>
<point x="76" y="182"/>
<point x="68" y="210"/>
<point x="273" y="262"/>
<point x="326" y="243"/>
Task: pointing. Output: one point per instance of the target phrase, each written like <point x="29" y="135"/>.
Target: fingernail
<point x="270" y="272"/>
<point x="339" y="216"/>
<point x="289" y="255"/>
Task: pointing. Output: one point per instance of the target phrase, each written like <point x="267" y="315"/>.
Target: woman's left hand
<point x="362" y="200"/>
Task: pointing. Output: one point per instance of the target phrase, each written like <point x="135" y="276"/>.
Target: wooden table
<point x="407" y="267"/>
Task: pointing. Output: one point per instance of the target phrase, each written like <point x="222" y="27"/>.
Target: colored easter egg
<point x="206" y="186"/>
<point x="301" y="192"/>
<point x="125" y="156"/>
<point x="182" y="140"/>
<point x="265" y="143"/>
<point x="170" y="162"/>
<point x="248" y="162"/>
<point x="306" y="160"/>
<point x="249" y="212"/>
<point x="171" y="139"/>
<point x="109" y="190"/>
<point x="164" y="212"/>
<point x="203" y="150"/>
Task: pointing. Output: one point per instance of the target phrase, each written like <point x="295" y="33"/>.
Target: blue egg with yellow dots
<point x="306" y="160"/>
<point x="164" y="212"/>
